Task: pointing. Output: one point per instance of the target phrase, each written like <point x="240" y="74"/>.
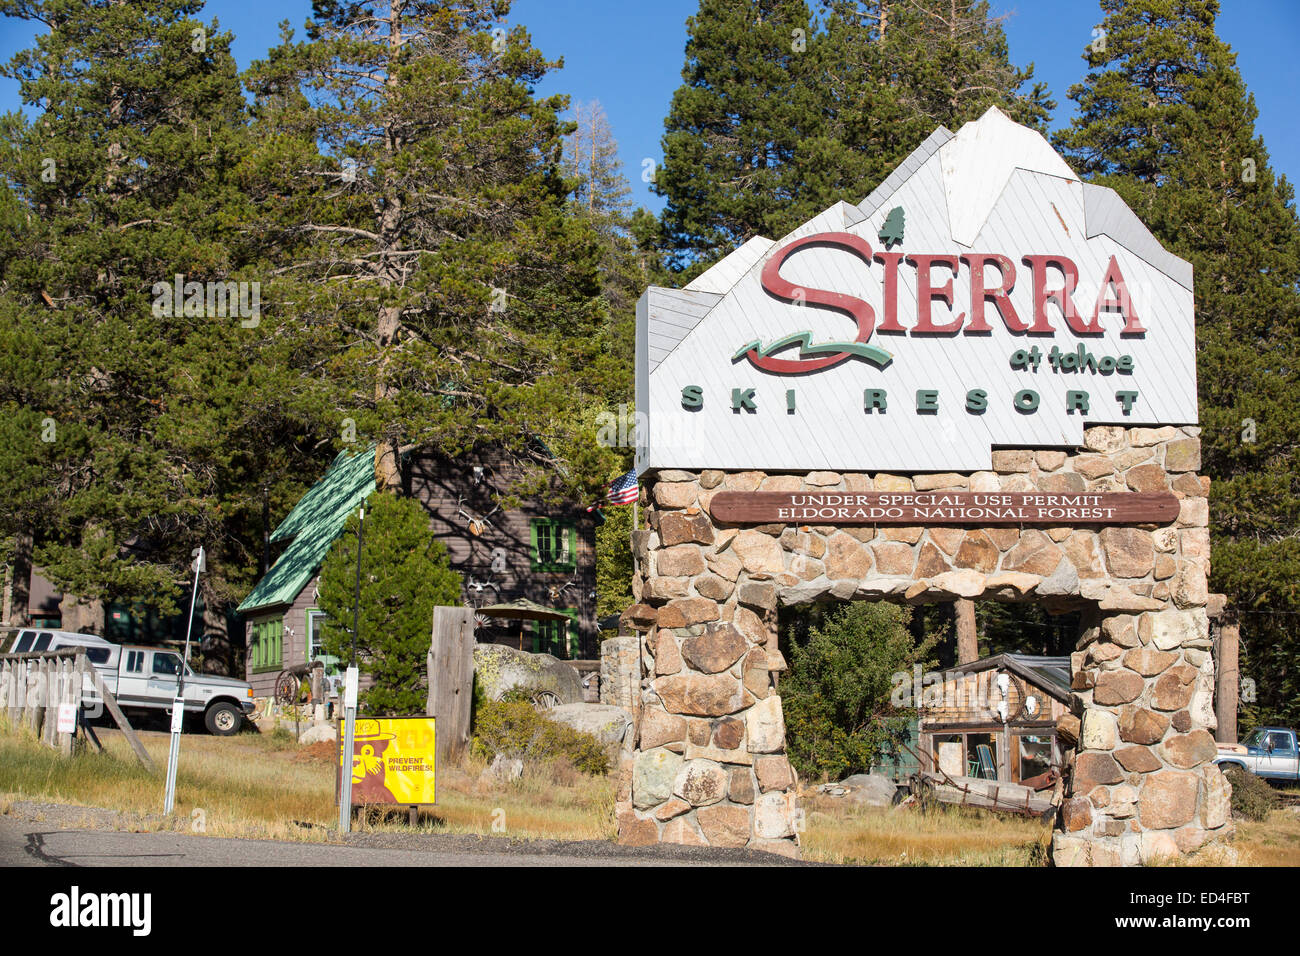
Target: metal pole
<point x="178" y="702"/>
<point x="350" y="698"/>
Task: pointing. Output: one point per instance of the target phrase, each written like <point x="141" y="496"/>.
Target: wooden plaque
<point x="942" y="507"/>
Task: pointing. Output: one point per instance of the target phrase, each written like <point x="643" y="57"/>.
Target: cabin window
<point x="1035" y="755"/>
<point x="557" y="638"/>
<point x="265" y="645"/>
<point x="315" y="634"/>
<point x="554" y="544"/>
<point x="135" y="662"/>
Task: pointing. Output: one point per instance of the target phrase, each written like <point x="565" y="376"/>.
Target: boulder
<point x="702" y="695"/>
<point x="701" y="782"/>
<point x="608" y="724"/>
<point x="868" y="790"/>
<point x="1168" y="799"/>
<point x="724" y="825"/>
<point x="504" y="769"/>
<point x="765" y="726"/>
<point x="720" y="646"/>
<point x="319" y="733"/>
<point x="498" y="669"/>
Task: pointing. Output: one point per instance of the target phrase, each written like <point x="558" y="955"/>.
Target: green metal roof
<point x="311" y="527"/>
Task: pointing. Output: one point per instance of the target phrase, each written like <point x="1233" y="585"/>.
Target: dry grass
<point x="265" y="787"/>
<point x="1272" y="842"/>
<point x="906" y="836"/>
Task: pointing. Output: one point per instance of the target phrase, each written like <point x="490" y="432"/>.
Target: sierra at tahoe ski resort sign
<point x="977" y="384"/>
<point x="983" y="296"/>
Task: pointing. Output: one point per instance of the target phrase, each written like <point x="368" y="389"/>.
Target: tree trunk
<point x="216" y="649"/>
<point x="81" y="616"/>
<point x="20" y="581"/>
<point x="967" y="641"/>
<point x="1229" y="679"/>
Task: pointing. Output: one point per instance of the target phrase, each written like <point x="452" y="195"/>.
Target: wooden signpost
<point x="942" y="508"/>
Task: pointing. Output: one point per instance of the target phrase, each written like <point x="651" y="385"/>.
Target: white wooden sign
<point x="982" y="296"/>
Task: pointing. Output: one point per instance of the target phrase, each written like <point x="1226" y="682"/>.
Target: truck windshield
<point x="1255" y="739"/>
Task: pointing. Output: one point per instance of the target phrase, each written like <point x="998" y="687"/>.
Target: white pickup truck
<point x="144" y="678"/>
<point x="1268" y="752"/>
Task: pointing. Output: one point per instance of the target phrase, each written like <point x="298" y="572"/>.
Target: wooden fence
<point x="32" y="686"/>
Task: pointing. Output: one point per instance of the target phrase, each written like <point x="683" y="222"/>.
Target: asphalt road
<point x="26" y="840"/>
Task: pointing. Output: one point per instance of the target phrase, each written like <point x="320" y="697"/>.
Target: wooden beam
<point x="942" y="508"/>
<point x="967" y="642"/>
<point x="450" y="665"/>
<point x="110" y="702"/>
<point x="1229" y="679"/>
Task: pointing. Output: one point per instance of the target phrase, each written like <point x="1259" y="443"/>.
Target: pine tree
<point x="781" y="117"/>
<point x="125" y="438"/>
<point x="433" y="285"/>
<point x="601" y="198"/>
<point x="1166" y="120"/>
<point x="903" y="69"/>
<point x="734" y="128"/>
<point x="405" y="574"/>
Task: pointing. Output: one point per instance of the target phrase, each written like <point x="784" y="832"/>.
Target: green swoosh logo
<point x="807" y="349"/>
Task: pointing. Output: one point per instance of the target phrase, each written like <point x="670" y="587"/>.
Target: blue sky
<point x="628" y="55"/>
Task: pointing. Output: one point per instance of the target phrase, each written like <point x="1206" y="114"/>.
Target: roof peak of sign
<point x="975" y="164"/>
<point x="979" y="160"/>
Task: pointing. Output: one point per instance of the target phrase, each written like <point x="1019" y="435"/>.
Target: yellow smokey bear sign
<point x="392" y="760"/>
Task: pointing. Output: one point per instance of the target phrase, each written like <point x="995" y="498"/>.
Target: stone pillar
<point x="710" y="766"/>
<point x="1143" y="784"/>
<point x="620" y="672"/>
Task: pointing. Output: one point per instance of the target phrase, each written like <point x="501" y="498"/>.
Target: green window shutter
<point x="266" y="648"/>
<point x="534" y="552"/>
<point x="573" y="631"/>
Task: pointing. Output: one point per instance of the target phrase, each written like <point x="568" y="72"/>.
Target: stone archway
<point x="709" y="766"/>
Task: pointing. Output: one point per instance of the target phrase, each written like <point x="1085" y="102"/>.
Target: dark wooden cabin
<point x="537" y="549"/>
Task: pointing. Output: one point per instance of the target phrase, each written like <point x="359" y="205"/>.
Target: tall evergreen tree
<point x="734" y="128"/>
<point x="123" y="446"/>
<point x="433" y="285"/>
<point x="1166" y="120"/>
<point x="781" y="117"/>
<point x="601" y="197"/>
<point x="405" y="574"/>
<point x="901" y="68"/>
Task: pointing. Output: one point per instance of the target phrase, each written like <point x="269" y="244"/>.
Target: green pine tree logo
<point x="891" y="233"/>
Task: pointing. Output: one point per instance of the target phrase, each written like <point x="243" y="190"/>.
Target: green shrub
<point x="839" y="717"/>
<point x="1252" y="797"/>
<point x="514" y="728"/>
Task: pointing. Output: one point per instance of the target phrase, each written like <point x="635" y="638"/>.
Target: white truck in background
<point x="144" y="678"/>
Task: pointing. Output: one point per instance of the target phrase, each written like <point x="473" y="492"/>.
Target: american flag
<point x="621" y="491"/>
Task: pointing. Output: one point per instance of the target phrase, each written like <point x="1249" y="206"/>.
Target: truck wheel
<point x="223" y="719"/>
